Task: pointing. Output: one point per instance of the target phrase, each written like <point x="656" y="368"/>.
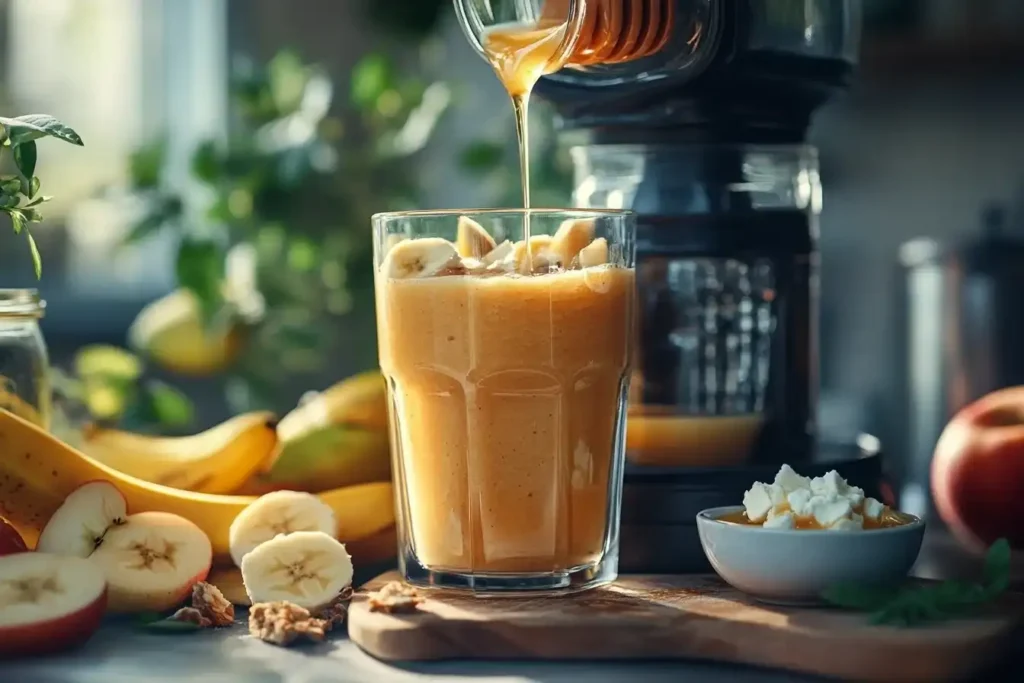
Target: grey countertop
<point x="122" y="653"/>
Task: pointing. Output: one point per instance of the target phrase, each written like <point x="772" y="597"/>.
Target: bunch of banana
<point x="218" y="460"/>
<point x="38" y="470"/>
<point x="337" y="438"/>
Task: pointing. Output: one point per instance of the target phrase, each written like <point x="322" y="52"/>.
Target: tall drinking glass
<point x="507" y="372"/>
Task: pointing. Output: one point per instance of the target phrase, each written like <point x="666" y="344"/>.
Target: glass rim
<point x="646" y="148"/>
<point x="440" y="213"/>
<point x="21" y="303"/>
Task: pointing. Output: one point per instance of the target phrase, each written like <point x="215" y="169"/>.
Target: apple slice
<point x="48" y="603"/>
<point x="80" y="523"/>
<point x="152" y="560"/>
<point x="10" y="540"/>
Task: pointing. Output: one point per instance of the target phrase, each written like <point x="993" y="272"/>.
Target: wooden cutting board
<point x="678" y="617"/>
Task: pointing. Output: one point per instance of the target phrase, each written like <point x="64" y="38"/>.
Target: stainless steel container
<point x="964" y="335"/>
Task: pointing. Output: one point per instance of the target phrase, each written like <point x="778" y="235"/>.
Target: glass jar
<point x="726" y="365"/>
<point x="24" y="361"/>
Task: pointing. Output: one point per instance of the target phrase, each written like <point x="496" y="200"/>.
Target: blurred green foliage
<point x="278" y="237"/>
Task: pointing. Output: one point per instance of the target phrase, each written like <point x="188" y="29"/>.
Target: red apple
<point x="150" y="560"/>
<point x="48" y="603"/>
<point x="10" y="540"/>
<point x="978" y="471"/>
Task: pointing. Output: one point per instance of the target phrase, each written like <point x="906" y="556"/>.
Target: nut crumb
<point x="395" y="598"/>
<point x="335" y="612"/>
<point x="192" y="616"/>
<point x="212" y="605"/>
<point x="282" y="623"/>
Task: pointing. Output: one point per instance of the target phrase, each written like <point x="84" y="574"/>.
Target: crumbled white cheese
<point x="854" y="523"/>
<point x="872" y="508"/>
<point x="790" y="481"/>
<point x="784" y="520"/>
<point x="827" y="500"/>
<point x="762" y="499"/>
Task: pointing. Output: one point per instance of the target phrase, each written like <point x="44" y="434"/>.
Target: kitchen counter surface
<point x="121" y="653"/>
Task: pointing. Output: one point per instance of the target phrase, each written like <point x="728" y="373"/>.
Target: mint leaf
<point x="25" y="159"/>
<point x="859" y="597"/>
<point x="997" y="567"/>
<point x="22" y="129"/>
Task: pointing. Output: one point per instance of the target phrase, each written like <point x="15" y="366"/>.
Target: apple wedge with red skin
<point x="977" y="472"/>
<point x="150" y="560"/>
<point x="10" y="540"/>
<point x="48" y="603"/>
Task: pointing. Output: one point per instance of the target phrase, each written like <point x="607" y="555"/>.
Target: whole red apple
<point x="978" y="471"/>
<point x="10" y="540"/>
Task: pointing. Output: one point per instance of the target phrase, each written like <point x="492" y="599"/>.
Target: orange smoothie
<point x="509" y="394"/>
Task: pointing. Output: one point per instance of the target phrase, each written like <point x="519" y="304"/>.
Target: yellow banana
<point x="37" y="471"/>
<point x="359" y="401"/>
<point x="218" y="460"/>
<point x="326" y="458"/>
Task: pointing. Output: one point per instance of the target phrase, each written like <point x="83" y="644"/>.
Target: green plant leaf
<point x="287" y="80"/>
<point x="200" y="268"/>
<point x="206" y="164"/>
<point x="169" y="406"/>
<point x="33" y="187"/>
<point x="371" y="77"/>
<point x="37" y="261"/>
<point x="18" y="221"/>
<point x="10" y="184"/>
<point x="145" y="165"/>
<point x="25" y="160"/>
<point x="482" y="156"/>
<point x="21" y="129"/>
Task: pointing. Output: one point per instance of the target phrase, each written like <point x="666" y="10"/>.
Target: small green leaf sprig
<point x="20" y="197"/>
<point x="913" y="605"/>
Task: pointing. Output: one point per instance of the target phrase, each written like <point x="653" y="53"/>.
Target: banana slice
<point x="571" y="237"/>
<point x="500" y="257"/>
<point x="280" y="512"/>
<point x="594" y="254"/>
<point x="542" y="256"/>
<point x="420" y="258"/>
<point x="307" y="568"/>
<point x="473" y="240"/>
<point x="392" y="240"/>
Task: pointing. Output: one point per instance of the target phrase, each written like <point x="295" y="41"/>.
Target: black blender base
<point x="660" y="505"/>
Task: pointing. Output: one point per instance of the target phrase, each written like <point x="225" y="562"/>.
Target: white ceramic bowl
<point x="794" y="566"/>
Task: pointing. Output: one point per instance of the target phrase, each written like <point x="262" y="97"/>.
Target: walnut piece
<point x="282" y="623"/>
<point x="192" y="616"/>
<point x="395" y="598"/>
<point x="212" y="605"/>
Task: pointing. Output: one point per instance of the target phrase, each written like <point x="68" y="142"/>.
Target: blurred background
<point x="235" y="149"/>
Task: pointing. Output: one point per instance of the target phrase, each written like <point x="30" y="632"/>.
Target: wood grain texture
<point x="677" y="617"/>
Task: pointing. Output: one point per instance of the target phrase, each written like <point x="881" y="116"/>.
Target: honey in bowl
<point x="822" y="503"/>
<point x="888" y="519"/>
